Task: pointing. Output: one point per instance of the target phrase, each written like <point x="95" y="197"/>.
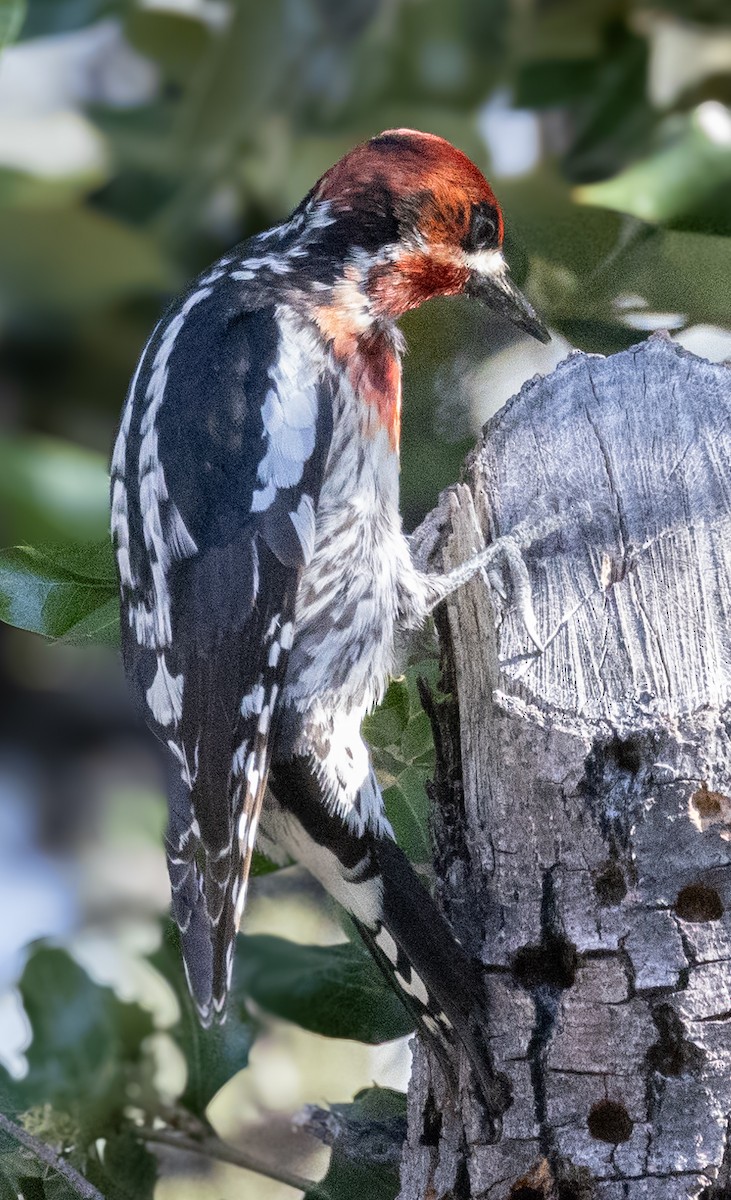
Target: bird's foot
<point x="503" y="567"/>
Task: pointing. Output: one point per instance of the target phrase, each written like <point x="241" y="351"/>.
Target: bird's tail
<point x="409" y="938"/>
<point x="207" y="888"/>
<point x="439" y="983"/>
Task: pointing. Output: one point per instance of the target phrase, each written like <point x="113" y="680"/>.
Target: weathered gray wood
<point x="583" y="794"/>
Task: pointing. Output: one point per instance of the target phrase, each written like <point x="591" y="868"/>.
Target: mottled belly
<point x="346" y="615"/>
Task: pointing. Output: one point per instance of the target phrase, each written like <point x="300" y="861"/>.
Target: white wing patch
<point x="304" y="526"/>
<point x="253" y="701"/>
<point x="165" y="695"/>
<point x="152" y="627"/>
<point x="289" y="411"/>
<point x="120" y="532"/>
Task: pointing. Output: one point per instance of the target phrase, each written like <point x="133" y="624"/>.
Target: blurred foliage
<point x="238" y="107"/>
<point x="90" y="1091"/>
<point x="242" y="115"/>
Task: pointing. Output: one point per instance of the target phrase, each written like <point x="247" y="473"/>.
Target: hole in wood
<point x="697" y="903"/>
<point x="610" y="1122"/>
<point x="610" y="886"/>
<point x="462" y="1187"/>
<point x="432" y="1123"/>
<point x="552" y="963"/>
<point x="626" y="753"/>
<point x="672" y="1053"/>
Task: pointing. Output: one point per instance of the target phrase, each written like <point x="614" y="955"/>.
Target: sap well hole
<point x="610" y="1122"/>
<point x="551" y="963"/>
<point x="697" y="903"/>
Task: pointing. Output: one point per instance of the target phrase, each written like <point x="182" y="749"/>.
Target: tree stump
<point x="583" y="793"/>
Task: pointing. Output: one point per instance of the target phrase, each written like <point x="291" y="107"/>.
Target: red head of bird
<point x="413" y="218"/>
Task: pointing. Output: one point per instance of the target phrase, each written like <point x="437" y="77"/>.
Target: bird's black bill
<point x="499" y="293"/>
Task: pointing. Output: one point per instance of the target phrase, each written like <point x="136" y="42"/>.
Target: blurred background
<point x="139" y="139"/>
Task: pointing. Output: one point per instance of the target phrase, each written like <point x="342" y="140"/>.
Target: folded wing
<point x="215" y="484"/>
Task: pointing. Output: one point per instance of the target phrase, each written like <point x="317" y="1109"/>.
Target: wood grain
<point x="583" y="817"/>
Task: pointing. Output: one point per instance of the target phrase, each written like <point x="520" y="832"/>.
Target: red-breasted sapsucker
<point x="263" y="569"/>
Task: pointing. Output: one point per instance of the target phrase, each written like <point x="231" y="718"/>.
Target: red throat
<point x="371" y="364"/>
<point x="398" y="287"/>
<point x="375" y="373"/>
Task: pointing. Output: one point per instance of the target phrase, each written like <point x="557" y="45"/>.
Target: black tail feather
<point x="440" y="984"/>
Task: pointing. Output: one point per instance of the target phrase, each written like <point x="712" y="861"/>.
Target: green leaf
<point x="38" y="594"/>
<point x="12" y="13"/>
<point x="383" y="727"/>
<point x="212" y="1056"/>
<point x="386" y="724"/>
<point x="417" y="740"/>
<point x="246" y="69"/>
<point x="671" y="182"/>
<point x="98" y="628"/>
<point x="548" y="84"/>
<point x="91" y="561"/>
<point x="261" y="865"/>
<point x="84" y="1043"/>
<point x="23" y="1173"/>
<point x="407" y="808"/>
<point x="685" y="273"/>
<point x="336" y="991"/>
<point x="175" y="41"/>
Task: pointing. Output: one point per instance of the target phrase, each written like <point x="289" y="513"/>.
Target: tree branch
<point x="50" y="1157"/>
<point x="218" y="1151"/>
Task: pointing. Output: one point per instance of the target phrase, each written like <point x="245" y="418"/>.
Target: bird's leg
<point x="502" y="558"/>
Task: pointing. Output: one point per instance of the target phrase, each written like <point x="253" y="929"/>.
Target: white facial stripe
<point x="486" y="262"/>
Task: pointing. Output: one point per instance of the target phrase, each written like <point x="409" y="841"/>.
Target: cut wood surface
<point x="583" y="793"/>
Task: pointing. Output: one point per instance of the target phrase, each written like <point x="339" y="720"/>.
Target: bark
<point x="583" y="793"/>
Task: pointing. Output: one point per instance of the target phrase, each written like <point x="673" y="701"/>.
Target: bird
<point x="264" y="572"/>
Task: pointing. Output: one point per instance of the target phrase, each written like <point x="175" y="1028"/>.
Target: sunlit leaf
<point x="336" y="991"/>
<point x="212" y="1056"/>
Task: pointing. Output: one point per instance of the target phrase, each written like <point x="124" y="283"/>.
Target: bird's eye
<point x="483" y="230"/>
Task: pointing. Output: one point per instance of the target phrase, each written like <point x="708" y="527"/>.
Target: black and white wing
<point x="215" y="482"/>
